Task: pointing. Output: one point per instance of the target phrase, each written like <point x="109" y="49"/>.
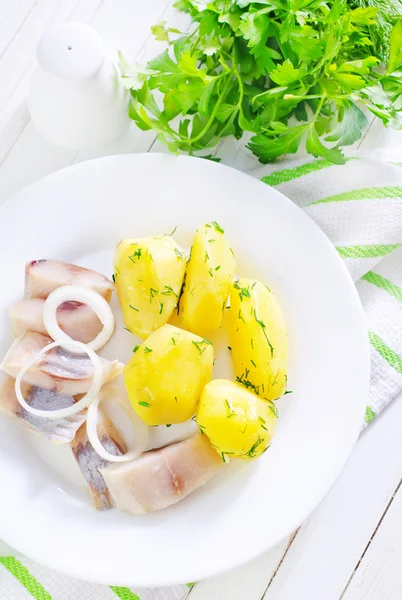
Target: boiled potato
<point x="148" y="274"/>
<point x="208" y="278"/>
<point x="258" y="339"/>
<point x="166" y="375"/>
<point x="236" y="421"/>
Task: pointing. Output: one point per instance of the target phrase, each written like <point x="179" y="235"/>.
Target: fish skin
<point x="90" y="463"/>
<point x="58" y="370"/>
<point x="58" y="431"/>
<point x="44" y="276"/>
<point x="160" y="478"/>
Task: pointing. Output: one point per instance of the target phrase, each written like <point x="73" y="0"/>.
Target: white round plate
<point x="78" y="215"/>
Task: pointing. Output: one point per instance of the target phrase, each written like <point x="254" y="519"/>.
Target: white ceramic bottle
<point x="76" y="99"/>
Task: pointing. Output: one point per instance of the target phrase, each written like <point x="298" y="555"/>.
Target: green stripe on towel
<point x="374" y="193"/>
<point x="366" y="251"/>
<point x="370" y="414"/>
<point x="393" y="359"/>
<point x="25" y="578"/>
<point x="285" y="175"/>
<point x="124" y="593"/>
<point x="384" y="284"/>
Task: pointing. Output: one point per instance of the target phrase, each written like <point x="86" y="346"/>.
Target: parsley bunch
<point x="286" y="71"/>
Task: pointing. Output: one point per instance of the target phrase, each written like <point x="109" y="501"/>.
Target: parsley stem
<point x="213" y="114"/>
<point x="317" y="112"/>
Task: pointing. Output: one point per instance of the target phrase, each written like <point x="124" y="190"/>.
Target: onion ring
<point x="90" y="298"/>
<point x="62" y="413"/>
<point x="140" y="428"/>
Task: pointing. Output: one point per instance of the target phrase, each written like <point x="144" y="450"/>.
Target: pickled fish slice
<point x="59" y="431"/>
<point x="76" y="320"/>
<point x="44" y="276"/>
<point x="162" y="477"/>
<point x="58" y="370"/>
<point x="90" y="463"/>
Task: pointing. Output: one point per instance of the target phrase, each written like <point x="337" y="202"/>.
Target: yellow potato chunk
<point x="148" y="273"/>
<point x="166" y="375"/>
<point x="258" y="339"/>
<point x="208" y="278"/>
<point x="236" y="421"/>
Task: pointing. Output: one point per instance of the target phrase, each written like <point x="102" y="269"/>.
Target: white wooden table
<point x="351" y="547"/>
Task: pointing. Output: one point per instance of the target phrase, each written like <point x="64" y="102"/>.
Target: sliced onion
<point x="62" y="413"/>
<point x="90" y="298"/>
<point x="139" y="430"/>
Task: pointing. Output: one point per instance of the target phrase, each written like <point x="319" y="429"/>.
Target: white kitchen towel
<point x="359" y="207"/>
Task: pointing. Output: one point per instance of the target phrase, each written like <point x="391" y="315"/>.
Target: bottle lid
<point x="72" y="51"/>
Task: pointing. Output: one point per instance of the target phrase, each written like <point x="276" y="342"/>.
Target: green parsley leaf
<point x="316" y="148"/>
<point x="351" y="127"/>
<point x="257" y="65"/>
<point x="269" y="148"/>
<point x="286" y="73"/>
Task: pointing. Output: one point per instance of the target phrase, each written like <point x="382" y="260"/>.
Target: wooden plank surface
<point x="351" y="547"/>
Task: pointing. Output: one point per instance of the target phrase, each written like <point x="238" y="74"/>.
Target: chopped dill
<point x="179" y="254"/>
<point x="143" y="403"/>
<point x="152" y="294"/>
<point x="272" y="407"/>
<point x="199" y="347"/>
<point x="201" y="428"/>
<point x="136" y="255"/>
<point x="252" y="452"/>
<point x="244" y="292"/>
<point x="253" y="363"/>
<point x="217" y="227"/>
<point x="231" y="411"/>
<point x="133" y="308"/>
<point x="160" y="307"/>
<point x="169" y="291"/>
<point x="147" y="350"/>
<point x="262" y="325"/>
<point x="243" y="379"/>
<point x="136" y="348"/>
<point x="171" y="233"/>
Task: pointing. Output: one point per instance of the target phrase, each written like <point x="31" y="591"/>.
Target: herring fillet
<point x="76" y="320"/>
<point x="58" y="431"/>
<point x="160" y="478"/>
<point x="43" y="276"/>
<point x="90" y="463"/>
<point x="58" y="370"/>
